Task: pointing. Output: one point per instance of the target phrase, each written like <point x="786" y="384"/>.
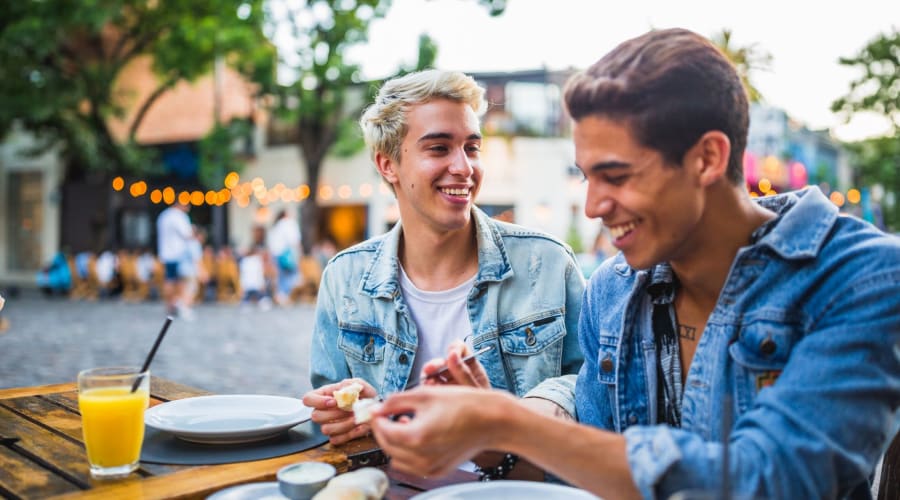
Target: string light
<point x="241" y="192"/>
<point x="854" y="196"/>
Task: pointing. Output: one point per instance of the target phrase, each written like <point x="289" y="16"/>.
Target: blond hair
<point x="384" y="122"/>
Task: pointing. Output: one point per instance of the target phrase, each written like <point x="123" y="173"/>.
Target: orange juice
<point x="112" y="420"/>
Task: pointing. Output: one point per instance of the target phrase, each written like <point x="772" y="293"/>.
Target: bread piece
<point x="362" y="410"/>
<point x="348" y="395"/>
<point x="367" y="483"/>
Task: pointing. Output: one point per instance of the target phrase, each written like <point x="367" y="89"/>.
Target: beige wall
<point x="49" y="166"/>
<point x="184" y="113"/>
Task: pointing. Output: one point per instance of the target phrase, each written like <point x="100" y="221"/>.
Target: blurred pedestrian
<point x="173" y="232"/>
<point x="285" y="249"/>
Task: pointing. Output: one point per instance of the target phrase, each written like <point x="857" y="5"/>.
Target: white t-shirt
<point x="283" y="235"/>
<point x="252" y="273"/>
<point x="173" y="231"/>
<point x="440" y="318"/>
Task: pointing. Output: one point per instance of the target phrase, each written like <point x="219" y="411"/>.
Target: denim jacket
<point x="525" y="301"/>
<point x="805" y="339"/>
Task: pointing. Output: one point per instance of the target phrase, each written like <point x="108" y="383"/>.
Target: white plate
<point x="227" y="419"/>
<point x="499" y="490"/>
<point x="252" y="491"/>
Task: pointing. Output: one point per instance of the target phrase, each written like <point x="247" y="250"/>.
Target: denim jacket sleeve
<point x="561" y="390"/>
<point x="815" y="433"/>
<point x="326" y="361"/>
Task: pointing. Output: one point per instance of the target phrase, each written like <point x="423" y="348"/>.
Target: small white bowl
<point x="301" y="481"/>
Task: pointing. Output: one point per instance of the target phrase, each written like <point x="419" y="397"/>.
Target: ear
<point x="710" y="157"/>
<point x="387" y="167"/>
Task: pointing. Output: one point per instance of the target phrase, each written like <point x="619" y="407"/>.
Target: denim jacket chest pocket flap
<point x="534" y="336"/>
<point x="760" y="354"/>
<point x="362" y="343"/>
<point x="764" y="345"/>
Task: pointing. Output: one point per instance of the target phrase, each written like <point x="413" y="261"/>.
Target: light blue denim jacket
<point x="525" y="301"/>
<point x="805" y="338"/>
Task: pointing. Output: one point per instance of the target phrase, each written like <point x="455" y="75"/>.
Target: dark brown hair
<point x="670" y="87"/>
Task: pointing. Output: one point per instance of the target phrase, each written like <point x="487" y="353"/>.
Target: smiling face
<point x="439" y="170"/>
<point x="651" y="209"/>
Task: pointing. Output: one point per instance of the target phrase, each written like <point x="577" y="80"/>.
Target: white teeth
<point x="621" y="230"/>
<point x="456" y="192"/>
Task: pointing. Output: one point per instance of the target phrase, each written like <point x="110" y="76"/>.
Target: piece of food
<point x="367" y="483"/>
<point x="348" y="395"/>
<point x="362" y="410"/>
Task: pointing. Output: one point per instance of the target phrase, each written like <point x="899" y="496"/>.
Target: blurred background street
<point x="227" y="349"/>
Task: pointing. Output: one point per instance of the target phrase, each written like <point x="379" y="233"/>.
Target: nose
<point x="598" y="203"/>
<point x="461" y="164"/>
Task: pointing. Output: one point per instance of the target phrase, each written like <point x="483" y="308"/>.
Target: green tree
<point x="877" y="162"/>
<point x="877" y="90"/>
<point x="747" y="60"/>
<point x="327" y="94"/>
<point x="59" y="64"/>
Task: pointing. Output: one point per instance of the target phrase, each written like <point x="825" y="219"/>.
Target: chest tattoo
<point x="687" y="332"/>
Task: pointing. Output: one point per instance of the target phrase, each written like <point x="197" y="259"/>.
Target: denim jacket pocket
<point x="532" y="350"/>
<point x="361" y="344"/>
<point x="760" y="354"/>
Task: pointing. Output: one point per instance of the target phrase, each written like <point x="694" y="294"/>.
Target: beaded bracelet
<point x="499" y="472"/>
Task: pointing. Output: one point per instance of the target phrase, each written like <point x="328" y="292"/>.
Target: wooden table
<point x="42" y="455"/>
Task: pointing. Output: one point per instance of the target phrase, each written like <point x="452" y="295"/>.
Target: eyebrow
<point x="606" y="165"/>
<point x="446" y="135"/>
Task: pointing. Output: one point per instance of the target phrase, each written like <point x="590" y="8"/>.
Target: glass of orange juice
<point x="112" y="418"/>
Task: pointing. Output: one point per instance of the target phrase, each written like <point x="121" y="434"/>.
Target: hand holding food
<point x="332" y="406"/>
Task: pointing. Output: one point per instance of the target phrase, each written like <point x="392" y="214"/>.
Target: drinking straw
<point x="162" y="333"/>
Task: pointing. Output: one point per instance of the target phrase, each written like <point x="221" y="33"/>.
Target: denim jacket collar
<point x="803" y="229"/>
<point x="382" y="276"/>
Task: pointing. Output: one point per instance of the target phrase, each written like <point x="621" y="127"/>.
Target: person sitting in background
<point x="732" y="343"/>
<point x="4" y="323"/>
<point x="255" y="270"/>
<point x="446" y="278"/>
<point x="55" y="278"/>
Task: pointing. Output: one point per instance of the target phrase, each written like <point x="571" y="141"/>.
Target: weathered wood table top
<point x="42" y="455"/>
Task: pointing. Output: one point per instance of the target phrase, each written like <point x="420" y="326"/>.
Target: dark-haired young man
<point x="770" y="325"/>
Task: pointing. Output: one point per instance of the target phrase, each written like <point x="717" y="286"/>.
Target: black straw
<point x="162" y="333"/>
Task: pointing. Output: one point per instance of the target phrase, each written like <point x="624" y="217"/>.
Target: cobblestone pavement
<point x="226" y="349"/>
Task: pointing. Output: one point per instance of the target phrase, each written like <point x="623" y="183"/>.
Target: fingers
<point x="322" y="417"/>
<point x="355" y="432"/>
<point x="319" y="401"/>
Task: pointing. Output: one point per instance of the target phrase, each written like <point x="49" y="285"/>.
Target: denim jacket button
<point x="404" y="359"/>
<point x="606" y="365"/>
<point x="530" y="340"/>
<point x="632" y="418"/>
<point x="767" y="346"/>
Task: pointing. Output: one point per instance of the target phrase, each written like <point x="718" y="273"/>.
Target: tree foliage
<point x="60" y="60"/>
<point x="326" y="93"/>
<point x="877" y="162"/>
<point x="878" y="89"/>
<point x="747" y="60"/>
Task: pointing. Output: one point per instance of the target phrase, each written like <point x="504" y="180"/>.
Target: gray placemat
<point x="163" y="448"/>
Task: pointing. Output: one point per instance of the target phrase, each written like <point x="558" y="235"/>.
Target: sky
<point x="805" y="39"/>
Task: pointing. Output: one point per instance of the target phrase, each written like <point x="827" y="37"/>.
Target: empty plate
<point x="498" y="490"/>
<point x="252" y="491"/>
<point x="227" y="419"/>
